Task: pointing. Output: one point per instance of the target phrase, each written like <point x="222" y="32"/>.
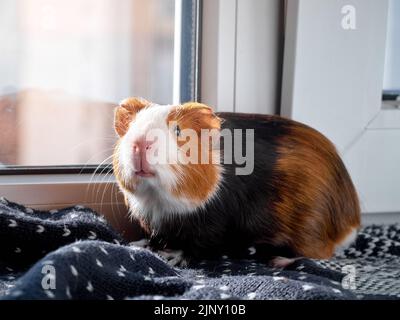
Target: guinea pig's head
<point x="172" y="150"/>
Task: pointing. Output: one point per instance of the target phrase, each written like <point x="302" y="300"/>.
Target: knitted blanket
<point x="74" y="254"/>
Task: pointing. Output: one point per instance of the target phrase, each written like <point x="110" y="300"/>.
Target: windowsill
<point x="55" y="191"/>
<point x="50" y="191"/>
<point x="387" y="119"/>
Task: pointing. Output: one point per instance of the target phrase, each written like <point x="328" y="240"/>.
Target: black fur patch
<point x="240" y="215"/>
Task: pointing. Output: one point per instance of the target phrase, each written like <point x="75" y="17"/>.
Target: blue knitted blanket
<point x="74" y="254"/>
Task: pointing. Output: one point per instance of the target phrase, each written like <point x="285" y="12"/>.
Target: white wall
<point x="332" y="76"/>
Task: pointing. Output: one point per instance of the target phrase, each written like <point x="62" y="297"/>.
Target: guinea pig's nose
<point x="141" y="145"/>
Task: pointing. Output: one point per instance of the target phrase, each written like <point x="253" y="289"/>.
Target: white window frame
<point x="242" y="44"/>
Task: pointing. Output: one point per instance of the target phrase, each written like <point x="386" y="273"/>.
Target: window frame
<point x="62" y="169"/>
<point x="190" y="50"/>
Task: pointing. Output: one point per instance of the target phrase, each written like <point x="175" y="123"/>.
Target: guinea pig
<point x="296" y="200"/>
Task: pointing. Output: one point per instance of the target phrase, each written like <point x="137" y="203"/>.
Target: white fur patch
<point x="349" y="240"/>
<point x="155" y="203"/>
<point x="151" y="118"/>
<point x="174" y="257"/>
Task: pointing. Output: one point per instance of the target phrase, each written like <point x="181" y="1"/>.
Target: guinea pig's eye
<point x="177" y="131"/>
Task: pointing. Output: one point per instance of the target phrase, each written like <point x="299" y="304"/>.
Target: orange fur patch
<point x="318" y="205"/>
<point x="126" y="112"/>
<point x="199" y="180"/>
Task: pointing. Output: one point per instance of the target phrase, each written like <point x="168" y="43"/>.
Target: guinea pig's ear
<point x="205" y="112"/>
<point x="126" y="112"/>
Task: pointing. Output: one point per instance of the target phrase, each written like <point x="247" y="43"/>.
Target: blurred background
<point x="65" y="64"/>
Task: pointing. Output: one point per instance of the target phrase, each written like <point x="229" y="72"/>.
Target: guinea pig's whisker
<point x="91" y="140"/>
<point x="93" y="156"/>
<point x="104" y="178"/>
<point x="107" y="184"/>
<point x="94" y="174"/>
<point x="115" y="190"/>
<point x="90" y="185"/>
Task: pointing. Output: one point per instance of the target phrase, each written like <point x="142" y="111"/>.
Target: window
<point x="391" y="84"/>
<point x="65" y="64"/>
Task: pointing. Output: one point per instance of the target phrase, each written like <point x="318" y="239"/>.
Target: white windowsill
<point x="386" y="119"/>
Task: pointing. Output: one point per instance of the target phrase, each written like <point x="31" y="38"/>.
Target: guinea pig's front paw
<point x="281" y="262"/>
<point x="142" y="243"/>
<point x="175" y="258"/>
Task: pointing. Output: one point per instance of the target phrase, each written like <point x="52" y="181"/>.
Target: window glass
<point x="65" y="64"/>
